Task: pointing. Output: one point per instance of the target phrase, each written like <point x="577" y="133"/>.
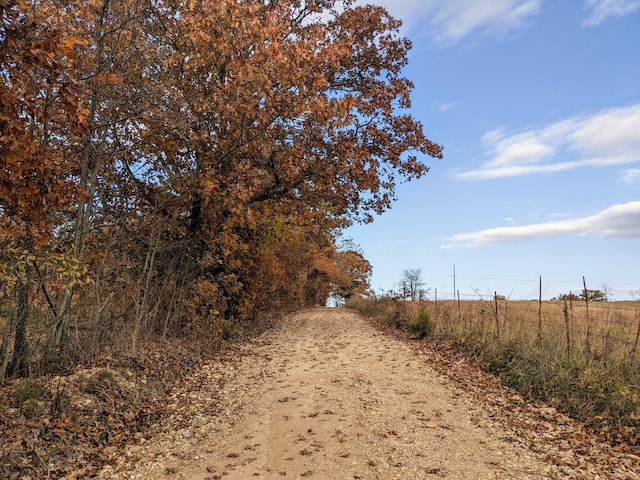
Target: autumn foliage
<point x="177" y="167"/>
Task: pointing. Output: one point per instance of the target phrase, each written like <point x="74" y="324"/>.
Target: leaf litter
<point x="359" y="404"/>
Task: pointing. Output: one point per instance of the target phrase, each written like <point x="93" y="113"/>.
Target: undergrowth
<point x="588" y="376"/>
<point x="422" y="326"/>
<point x="71" y="425"/>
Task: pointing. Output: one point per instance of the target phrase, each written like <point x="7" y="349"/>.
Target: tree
<point x="35" y="187"/>
<point x="112" y="46"/>
<point x="412" y="283"/>
<point x="593" y="295"/>
<point x="607" y="292"/>
<point x="192" y="162"/>
<point x="270" y="106"/>
<point x="353" y="273"/>
<point x="567" y="296"/>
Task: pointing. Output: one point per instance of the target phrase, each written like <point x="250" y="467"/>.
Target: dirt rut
<point x="326" y="396"/>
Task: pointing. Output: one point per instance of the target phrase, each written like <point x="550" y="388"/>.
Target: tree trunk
<point x="6" y="340"/>
<point x="90" y="167"/>
<point x="19" y="365"/>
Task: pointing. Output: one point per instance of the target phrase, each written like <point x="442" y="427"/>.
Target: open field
<point x="581" y="358"/>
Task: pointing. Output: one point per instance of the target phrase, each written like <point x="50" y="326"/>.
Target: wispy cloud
<point x="632" y="177"/>
<point x="455" y="20"/>
<point x="616" y="221"/>
<point x="610" y="137"/>
<point x="443" y="106"/>
<point x="451" y="21"/>
<point x="601" y="10"/>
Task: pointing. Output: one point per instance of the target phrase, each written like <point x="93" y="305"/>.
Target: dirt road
<point x="327" y="396"/>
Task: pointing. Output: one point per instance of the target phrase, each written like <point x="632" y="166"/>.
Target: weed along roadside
<point x="70" y="425"/>
<point x="326" y="395"/>
<point x="581" y="362"/>
<point x="323" y="393"/>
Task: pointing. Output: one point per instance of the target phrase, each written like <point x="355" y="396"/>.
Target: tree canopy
<point x="168" y="166"/>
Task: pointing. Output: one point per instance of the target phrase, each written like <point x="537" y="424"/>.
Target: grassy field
<point x="581" y="358"/>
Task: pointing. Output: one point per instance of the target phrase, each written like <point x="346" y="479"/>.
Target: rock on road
<point x="325" y="395"/>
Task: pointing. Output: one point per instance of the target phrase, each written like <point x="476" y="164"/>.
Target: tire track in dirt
<point x="326" y="396"/>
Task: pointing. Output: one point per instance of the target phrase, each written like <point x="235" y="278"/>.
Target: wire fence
<point x="580" y="354"/>
<point x="475" y="287"/>
<point x="603" y="328"/>
<point x="582" y="319"/>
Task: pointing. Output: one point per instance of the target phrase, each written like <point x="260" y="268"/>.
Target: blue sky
<point x="537" y="104"/>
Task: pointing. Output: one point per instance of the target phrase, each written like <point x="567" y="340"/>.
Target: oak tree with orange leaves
<point x="272" y="103"/>
<point x="169" y="166"/>
<point x="34" y="177"/>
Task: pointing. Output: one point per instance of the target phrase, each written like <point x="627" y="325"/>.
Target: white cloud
<point x="521" y="149"/>
<point x="601" y="10"/>
<point x="616" y="221"/>
<point x="632" y="177"/>
<point x="610" y="137"/>
<point x="443" y="106"/>
<point x="459" y="19"/>
<point x="450" y="21"/>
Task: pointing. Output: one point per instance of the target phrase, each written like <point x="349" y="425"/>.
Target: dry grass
<point x="582" y="359"/>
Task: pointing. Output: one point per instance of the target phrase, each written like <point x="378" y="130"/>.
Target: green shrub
<point x="28" y="395"/>
<point x="423" y="325"/>
<point x="28" y="390"/>
<point x="229" y="331"/>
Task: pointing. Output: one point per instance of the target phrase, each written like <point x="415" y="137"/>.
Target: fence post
<point x="587" y="346"/>
<point x="571" y="301"/>
<point x="495" y="301"/>
<point x="634" y="349"/>
<point x="436" y="300"/>
<point x="568" y="328"/>
<point x="540" y="311"/>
